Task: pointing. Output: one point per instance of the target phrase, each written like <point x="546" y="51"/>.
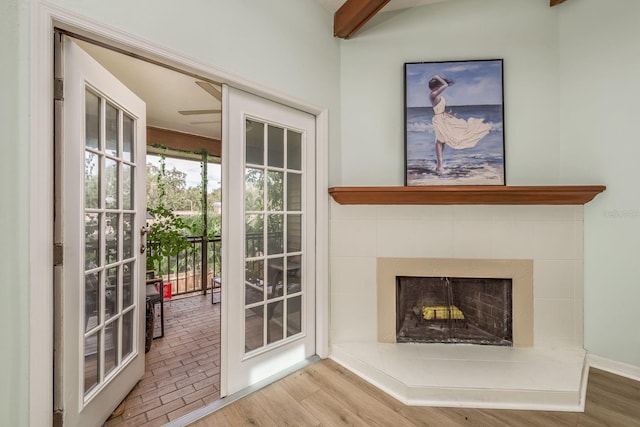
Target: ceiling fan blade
<point x="195" y="112"/>
<point x="205" y="122"/>
<point x="211" y="90"/>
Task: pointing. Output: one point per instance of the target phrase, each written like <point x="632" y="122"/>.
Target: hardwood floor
<point x="326" y="394"/>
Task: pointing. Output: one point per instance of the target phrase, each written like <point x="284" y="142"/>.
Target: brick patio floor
<point x="182" y="369"/>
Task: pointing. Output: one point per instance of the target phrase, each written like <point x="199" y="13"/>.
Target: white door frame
<point x="44" y="17"/>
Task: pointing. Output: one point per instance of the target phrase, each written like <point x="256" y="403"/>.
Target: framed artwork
<point x="454" y="116"/>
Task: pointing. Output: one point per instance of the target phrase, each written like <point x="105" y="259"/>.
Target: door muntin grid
<point x="273" y="244"/>
<point x="109" y="309"/>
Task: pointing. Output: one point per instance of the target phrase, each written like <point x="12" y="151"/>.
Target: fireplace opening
<point x="454" y="310"/>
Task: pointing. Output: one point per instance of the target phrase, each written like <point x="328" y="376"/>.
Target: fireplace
<point x="454" y="310"/>
<point x="489" y="302"/>
<point x="540" y="248"/>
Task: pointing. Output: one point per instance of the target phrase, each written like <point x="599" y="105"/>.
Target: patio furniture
<point x="155" y="297"/>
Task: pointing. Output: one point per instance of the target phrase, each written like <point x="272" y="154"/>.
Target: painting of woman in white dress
<point x="454" y="123"/>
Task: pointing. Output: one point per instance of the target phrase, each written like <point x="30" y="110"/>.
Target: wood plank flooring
<point x="326" y="394"/>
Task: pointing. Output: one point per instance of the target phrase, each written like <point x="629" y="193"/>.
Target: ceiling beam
<point x="353" y="14"/>
<point x="555" y="2"/>
<point x="183" y="141"/>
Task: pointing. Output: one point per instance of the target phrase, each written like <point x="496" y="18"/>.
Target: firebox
<point x="454" y="310"/>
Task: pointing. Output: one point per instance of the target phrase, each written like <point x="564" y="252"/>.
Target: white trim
<point x="44" y="17"/>
<point x="40" y="218"/>
<point x="322" y="235"/>
<point x="224" y="260"/>
<point x="614" y="367"/>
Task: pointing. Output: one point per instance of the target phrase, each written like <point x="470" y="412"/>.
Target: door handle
<point x="143" y="231"/>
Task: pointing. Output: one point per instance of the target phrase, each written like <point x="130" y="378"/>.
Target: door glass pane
<point x="91" y="361"/>
<point x="91" y="241"/>
<point x="127" y="285"/>
<point x="275" y="145"/>
<point x="294" y="150"/>
<point x="127" y="187"/>
<point x="111" y="293"/>
<point x="254" y="133"/>
<point x="294" y="315"/>
<point x="110" y="347"/>
<point x="294" y="233"/>
<point x="294" y="274"/>
<point x="275" y="234"/>
<point x="92" y="120"/>
<point x="254" y="229"/>
<point x="127" y="138"/>
<point x="127" y="334"/>
<point x="275" y="286"/>
<point x="91" y="180"/>
<point x="111" y="130"/>
<point x="111" y="190"/>
<point x="111" y="236"/>
<point x="294" y="192"/>
<point x="254" y="189"/>
<point x="91" y="300"/>
<point x="254" y="282"/>
<point x="127" y="235"/>
<point x="275" y="191"/>
<point x="254" y="328"/>
<point x="272" y="269"/>
<point x="275" y="318"/>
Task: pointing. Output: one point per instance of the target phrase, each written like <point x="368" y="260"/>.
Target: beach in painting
<point x="480" y="165"/>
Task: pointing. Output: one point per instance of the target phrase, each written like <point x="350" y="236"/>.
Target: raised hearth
<point x="471" y="376"/>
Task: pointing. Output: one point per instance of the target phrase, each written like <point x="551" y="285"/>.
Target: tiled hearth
<point x="544" y="369"/>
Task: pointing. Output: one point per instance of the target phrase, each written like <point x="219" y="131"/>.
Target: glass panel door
<point x="100" y="209"/>
<point x="270" y="230"/>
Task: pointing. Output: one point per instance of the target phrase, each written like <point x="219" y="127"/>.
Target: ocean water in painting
<point x="480" y="165"/>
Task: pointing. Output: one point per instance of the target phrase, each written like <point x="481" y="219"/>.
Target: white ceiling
<point x="164" y="91"/>
<point x="333" y="5"/>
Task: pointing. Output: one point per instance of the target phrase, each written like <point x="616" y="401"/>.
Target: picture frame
<point x="454" y="123"/>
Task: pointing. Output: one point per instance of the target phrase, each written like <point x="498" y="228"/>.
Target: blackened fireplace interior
<point x="454" y="310"/>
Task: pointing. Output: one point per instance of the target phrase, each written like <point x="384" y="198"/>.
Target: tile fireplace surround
<point x="546" y="369"/>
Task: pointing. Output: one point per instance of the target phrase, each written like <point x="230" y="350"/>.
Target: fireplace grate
<point x="454" y="310"/>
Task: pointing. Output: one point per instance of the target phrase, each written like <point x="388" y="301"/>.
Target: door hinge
<point x="57" y="418"/>
<point x="58" y="90"/>
<point x="57" y="254"/>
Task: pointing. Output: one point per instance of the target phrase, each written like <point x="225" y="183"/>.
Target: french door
<point x="270" y="238"/>
<point x="100" y="210"/>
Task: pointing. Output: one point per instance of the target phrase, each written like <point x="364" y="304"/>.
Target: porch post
<point x="205" y="239"/>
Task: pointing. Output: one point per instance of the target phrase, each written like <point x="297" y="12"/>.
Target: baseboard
<point x="614" y="367"/>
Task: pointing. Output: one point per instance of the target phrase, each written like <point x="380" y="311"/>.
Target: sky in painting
<point x="476" y="82"/>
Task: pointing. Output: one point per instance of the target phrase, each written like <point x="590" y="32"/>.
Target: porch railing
<point x="186" y="271"/>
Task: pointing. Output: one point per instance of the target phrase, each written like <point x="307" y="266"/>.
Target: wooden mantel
<point x="467" y="195"/>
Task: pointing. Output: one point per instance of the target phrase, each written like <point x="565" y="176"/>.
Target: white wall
<point x="600" y="81"/>
<point x="571" y="88"/>
<point x="522" y="32"/>
<point x="14" y="192"/>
